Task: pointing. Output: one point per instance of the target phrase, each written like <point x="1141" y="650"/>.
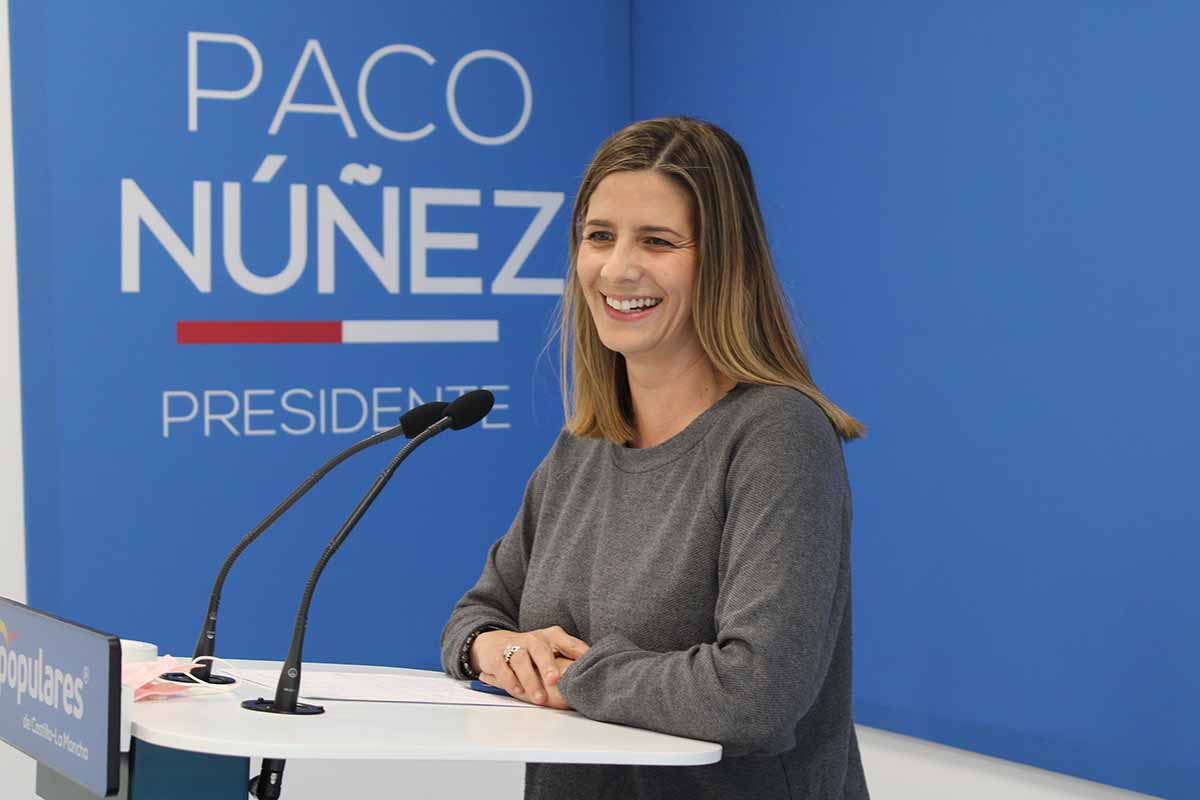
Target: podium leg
<point x="163" y="773"/>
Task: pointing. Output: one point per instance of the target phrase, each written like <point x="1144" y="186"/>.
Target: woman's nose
<point x="621" y="266"/>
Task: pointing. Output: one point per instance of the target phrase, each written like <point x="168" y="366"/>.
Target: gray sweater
<point x="711" y="577"/>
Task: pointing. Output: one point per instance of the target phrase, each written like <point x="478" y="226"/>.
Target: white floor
<point x="898" y="768"/>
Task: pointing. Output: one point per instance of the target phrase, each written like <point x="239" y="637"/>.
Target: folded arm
<point x="495" y="599"/>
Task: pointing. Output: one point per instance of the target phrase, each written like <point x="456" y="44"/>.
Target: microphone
<point x="462" y="413"/>
<point x="412" y="424"/>
<point x="469" y="408"/>
<point x="421" y="417"/>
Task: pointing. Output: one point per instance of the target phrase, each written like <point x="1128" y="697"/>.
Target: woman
<point x="680" y="560"/>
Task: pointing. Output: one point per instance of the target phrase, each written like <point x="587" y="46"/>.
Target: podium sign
<point x="60" y="695"/>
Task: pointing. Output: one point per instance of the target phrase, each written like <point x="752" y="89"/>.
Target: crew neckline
<point x="634" y="459"/>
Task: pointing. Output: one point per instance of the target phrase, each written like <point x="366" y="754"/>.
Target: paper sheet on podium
<point x="382" y="687"/>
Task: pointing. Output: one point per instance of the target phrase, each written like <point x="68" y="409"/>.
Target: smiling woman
<point x="675" y="197"/>
<point x="681" y="560"/>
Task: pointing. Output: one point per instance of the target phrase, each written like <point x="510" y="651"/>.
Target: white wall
<point x="16" y="768"/>
<point x="898" y="767"/>
<point x="902" y="768"/>
<point x="12" y="516"/>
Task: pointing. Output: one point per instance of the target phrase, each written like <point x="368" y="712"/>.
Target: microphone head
<point x="419" y="418"/>
<point x="469" y="408"/>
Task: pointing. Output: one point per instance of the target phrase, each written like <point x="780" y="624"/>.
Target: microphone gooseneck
<point x="411" y="424"/>
<point x="288" y="689"/>
<point x="463" y="412"/>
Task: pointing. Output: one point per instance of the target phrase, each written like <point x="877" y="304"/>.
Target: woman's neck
<point x="665" y="401"/>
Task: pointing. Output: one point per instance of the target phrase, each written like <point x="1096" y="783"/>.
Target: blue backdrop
<point x="984" y="213"/>
<point x="131" y="504"/>
<point x="983" y="217"/>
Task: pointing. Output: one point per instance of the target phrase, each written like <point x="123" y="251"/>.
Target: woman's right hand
<point x="532" y="669"/>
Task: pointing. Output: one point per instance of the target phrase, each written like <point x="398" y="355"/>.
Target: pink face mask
<point x="143" y="677"/>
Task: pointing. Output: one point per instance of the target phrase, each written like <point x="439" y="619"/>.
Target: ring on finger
<point x="510" y="651"/>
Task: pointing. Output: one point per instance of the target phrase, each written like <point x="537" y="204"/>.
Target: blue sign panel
<point x="60" y="695"/>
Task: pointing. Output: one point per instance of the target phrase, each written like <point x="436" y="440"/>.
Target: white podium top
<point x="361" y="730"/>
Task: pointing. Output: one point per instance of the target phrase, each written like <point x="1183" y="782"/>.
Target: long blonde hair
<point x="739" y="309"/>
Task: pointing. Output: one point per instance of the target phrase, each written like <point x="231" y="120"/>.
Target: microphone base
<point x="262" y="704"/>
<point x="183" y="677"/>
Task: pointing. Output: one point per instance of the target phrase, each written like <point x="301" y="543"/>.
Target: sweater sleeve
<point x="495" y="599"/>
<point x="779" y="603"/>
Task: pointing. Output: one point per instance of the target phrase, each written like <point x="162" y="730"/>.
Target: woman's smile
<point x="628" y="308"/>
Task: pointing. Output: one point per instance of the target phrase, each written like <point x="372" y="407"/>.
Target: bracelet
<point x="464" y="656"/>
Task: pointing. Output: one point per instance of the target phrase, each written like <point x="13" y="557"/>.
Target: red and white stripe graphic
<point x="347" y="331"/>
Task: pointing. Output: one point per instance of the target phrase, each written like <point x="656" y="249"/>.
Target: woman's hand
<point x="554" y="698"/>
<point x="533" y="671"/>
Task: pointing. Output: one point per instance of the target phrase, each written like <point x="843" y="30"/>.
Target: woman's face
<point x="637" y="266"/>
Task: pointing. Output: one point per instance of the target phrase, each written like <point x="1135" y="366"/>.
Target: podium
<point x="200" y="747"/>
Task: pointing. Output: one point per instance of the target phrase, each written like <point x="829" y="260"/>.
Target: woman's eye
<point x="599" y="236"/>
<point x="654" y="240"/>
